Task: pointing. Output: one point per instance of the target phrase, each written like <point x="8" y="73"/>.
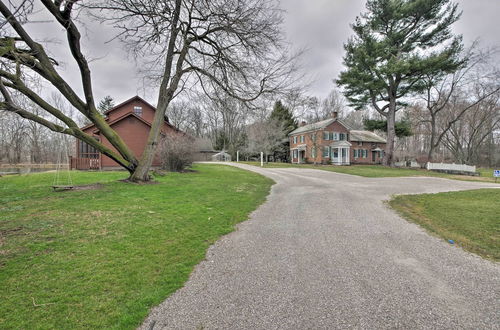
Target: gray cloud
<point x="324" y="26"/>
<point x="320" y="25"/>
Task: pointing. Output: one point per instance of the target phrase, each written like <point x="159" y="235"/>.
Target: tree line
<point x="225" y="74"/>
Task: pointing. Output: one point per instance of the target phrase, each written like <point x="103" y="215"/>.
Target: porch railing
<point x="85" y="163"/>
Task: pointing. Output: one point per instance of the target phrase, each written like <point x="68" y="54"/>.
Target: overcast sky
<point x="320" y="25"/>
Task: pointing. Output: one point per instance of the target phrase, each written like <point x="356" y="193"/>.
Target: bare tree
<point x="234" y="45"/>
<point x="448" y="90"/>
<point x="264" y="136"/>
<point x="315" y="136"/>
<point x="334" y="102"/>
<point x="466" y="136"/>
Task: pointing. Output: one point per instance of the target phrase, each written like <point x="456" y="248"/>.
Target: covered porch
<point x="340" y="153"/>
<point x="299" y="154"/>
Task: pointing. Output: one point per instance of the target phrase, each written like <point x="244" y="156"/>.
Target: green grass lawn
<point x="470" y="218"/>
<point x="102" y="258"/>
<point x="377" y="171"/>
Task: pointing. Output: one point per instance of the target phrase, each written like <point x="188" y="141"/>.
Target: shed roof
<point x="365" y="136"/>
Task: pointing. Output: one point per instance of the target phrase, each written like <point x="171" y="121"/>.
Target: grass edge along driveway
<point x="102" y="258"/>
<point x="379" y="171"/>
<point x="471" y="218"/>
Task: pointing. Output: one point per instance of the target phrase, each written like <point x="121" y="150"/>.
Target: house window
<point x="313" y="152"/>
<point x="138" y="111"/>
<point x="355" y="153"/>
<point x="302" y="139"/>
<point x="336" y="153"/>
<point x="326" y="151"/>
<point x="295" y="153"/>
<point x="334" y="136"/>
<point x="365" y="153"/>
<point x="313" y="137"/>
<point x="342" y="136"/>
<point x="326" y="135"/>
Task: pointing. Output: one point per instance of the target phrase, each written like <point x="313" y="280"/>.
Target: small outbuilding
<point x="221" y="157"/>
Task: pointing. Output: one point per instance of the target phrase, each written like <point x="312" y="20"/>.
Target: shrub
<point x="177" y="152"/>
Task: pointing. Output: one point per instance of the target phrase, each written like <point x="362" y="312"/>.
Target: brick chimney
<point x="302" y="123"/>
<point x="335" y="114"/>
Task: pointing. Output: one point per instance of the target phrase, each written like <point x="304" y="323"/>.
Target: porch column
<point x="347" y="158"/>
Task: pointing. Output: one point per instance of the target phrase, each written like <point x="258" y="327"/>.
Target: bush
<point x="177" y="152"/>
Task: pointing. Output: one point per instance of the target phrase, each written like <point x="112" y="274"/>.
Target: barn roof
<point x="134" y="98"/>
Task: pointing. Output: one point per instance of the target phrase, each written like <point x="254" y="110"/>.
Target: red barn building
<point x="132" y="121"/>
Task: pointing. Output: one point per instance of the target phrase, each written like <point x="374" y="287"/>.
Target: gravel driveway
<point x="325" y="252"/>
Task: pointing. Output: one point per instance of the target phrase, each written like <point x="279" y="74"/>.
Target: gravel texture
<point x="325" y="252"/>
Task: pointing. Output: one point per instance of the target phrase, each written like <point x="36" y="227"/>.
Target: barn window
<point x="88" y="151"/>
<point x="138" y="111"/>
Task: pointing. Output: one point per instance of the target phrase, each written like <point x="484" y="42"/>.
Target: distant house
<point x="132" y="121"/>
<point x="331" y="141"/>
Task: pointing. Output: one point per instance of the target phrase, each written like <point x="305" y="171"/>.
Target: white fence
<point x="451" y="167"/>
<point x="399" y="164"/>
<point x="413" y="164"/>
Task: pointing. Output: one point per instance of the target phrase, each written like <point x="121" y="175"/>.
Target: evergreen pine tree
<point x="396" y="44"/>
<point x="105" y="104"/>
<point x="283" y="115"/>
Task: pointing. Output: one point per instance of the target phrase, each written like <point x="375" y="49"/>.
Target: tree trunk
<point x="391" y="134"/>
<point x="141" y="172"/>
<point x="167" y="90"/>
<point x="432" y="146"/>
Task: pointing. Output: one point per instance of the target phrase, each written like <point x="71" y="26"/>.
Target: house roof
<point x="365" y="136"/>
<point x="317" y="126"/>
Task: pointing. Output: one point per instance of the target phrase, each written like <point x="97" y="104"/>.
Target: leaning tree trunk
<point x="168" y="87"/>
<point x="141" y="172"/>
<point x="391" y="135"/>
